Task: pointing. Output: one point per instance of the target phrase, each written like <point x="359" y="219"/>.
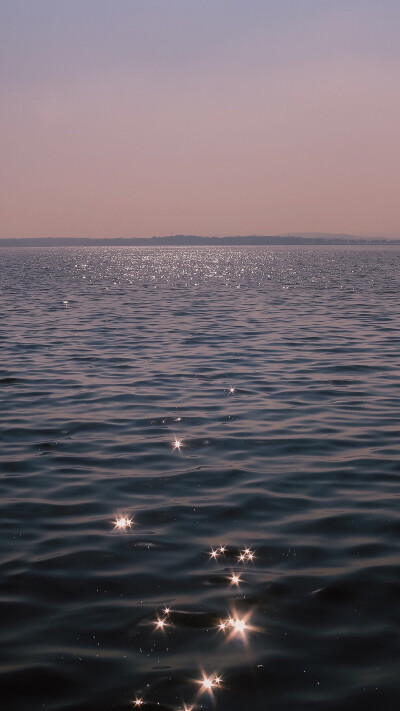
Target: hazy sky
<point x="141" y="117"/>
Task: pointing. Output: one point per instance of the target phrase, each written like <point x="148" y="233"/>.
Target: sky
<point x="132" y="118"/>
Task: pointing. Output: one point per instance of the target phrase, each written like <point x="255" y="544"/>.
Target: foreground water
<point x="279" y="371"/>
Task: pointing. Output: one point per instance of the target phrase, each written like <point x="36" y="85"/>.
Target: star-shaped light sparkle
<point x="239" y="625"/>
<point x="208" y="683"/>
<point x="122" y="523"/>
<point x="235" y="579"/>
<point x="215" y="552"/>
<point x="236" y="626"/>
<point x="246" y="555"/>
<point x="160" y="623"/>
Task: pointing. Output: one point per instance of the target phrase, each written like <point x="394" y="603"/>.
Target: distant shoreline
<point x="195" y="241"/>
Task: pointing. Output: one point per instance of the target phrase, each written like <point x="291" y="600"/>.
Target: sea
<point x="200" y="478"/>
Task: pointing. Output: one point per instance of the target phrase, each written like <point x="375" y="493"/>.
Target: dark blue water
<point x="107" y="356"/>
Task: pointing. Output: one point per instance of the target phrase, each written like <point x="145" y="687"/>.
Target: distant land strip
<point x="192" y="241"/>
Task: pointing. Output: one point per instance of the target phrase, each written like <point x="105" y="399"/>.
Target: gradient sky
<point x="134" y="118"/>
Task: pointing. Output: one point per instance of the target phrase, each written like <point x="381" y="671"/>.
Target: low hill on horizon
<point x="196" y="240"/>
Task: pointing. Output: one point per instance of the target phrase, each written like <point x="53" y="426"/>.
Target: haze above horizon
<point x="215" y="118"/>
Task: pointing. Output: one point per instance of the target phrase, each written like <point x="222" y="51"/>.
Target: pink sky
<point x="134" y="119"/>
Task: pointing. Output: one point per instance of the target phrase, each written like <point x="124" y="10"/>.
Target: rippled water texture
<point x="108" y="355"/>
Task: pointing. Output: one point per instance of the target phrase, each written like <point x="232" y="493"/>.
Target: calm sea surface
<point x="278" y="369"/>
